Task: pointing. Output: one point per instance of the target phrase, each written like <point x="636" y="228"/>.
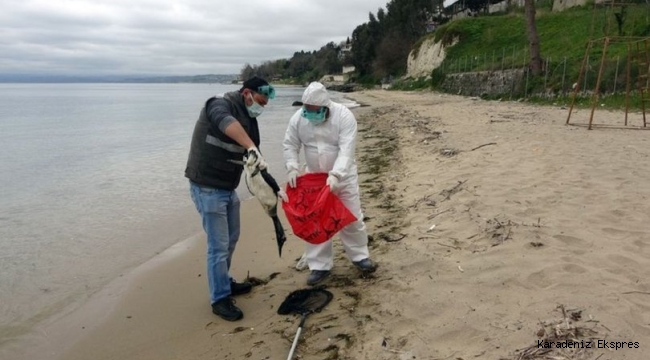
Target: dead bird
<point x="264" y="187"/>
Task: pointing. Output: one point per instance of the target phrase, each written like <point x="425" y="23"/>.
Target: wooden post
<point x="627" y="81"/>
<point x="563" y="74"/>
<point x="618" y="58"/>
<point x="575" y="90"/>
<point x="600" y="75"/>
<point x="644" y="87"/>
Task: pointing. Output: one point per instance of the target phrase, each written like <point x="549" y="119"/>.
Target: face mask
<point x="314" y="117"/>
<point x="255" y="109"/>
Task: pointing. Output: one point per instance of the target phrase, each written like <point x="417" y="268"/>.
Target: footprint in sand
<point x="641" y="244"/>
<point x="622" y="260"/>
<point x="574" y="269"/>
<point x="579" y="246"/>
<point x="613" y="231"/>
<point x="570" y="240"/>
<point x="540" y="278"/>
<point x="571" y="265"/>
<point x="618" y="234"/>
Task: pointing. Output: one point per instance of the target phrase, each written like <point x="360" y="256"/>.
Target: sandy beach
<point x="495" y="226"/>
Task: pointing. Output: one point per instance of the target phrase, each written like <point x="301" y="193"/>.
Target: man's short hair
<point x="254" y="83"/>
<point x="259" y="86"/>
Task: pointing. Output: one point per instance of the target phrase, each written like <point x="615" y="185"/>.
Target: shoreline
<point x="493" y="225"/>
<point x="130" y="297"/>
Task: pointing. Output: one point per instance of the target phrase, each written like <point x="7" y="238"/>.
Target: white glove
<point x="259" y="160"/>
<point x="283" y="195"/>
<point x="292" y="176"/>
<point x="302" y="263"/>
<point x="333" y="183"/>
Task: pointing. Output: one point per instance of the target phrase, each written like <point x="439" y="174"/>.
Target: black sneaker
<point x="317" y="276"/>
<point x="366" y="265"/>
<point x="240" y="288"/>
<point x="227" y="310"/>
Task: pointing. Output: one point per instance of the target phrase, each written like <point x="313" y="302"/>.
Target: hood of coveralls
<point x="316" y="94"/>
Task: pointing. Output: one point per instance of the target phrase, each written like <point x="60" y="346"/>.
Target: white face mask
<point x="255" y="109"/>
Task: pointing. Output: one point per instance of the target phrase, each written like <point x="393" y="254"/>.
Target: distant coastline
<point x="209" y="78"/>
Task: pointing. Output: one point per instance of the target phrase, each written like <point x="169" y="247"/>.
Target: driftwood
<point x="637" y="292"/>
<point x="388" y="239"/>
<point x="448" y="193"/>
<point x="478" y="147"/>
<point x="559" y="331"/>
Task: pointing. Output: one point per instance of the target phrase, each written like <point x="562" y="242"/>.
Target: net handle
<point x="295" y="339"/>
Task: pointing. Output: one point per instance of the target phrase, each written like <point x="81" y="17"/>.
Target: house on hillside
<point x="346" y="49"/>
<point x="458" y="8"/>
<point x="334" y="79"/>
<point x="348" y="69"/>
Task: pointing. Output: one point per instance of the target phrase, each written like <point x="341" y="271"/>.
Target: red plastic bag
<point x="314" y="213"/>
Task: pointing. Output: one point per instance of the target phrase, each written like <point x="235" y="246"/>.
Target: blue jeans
<point x="219" y="211"/>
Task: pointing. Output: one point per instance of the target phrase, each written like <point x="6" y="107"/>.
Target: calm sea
<point x="92" y="185"/>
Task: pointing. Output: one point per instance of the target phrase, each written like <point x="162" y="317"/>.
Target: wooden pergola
<point x="638" y="55"/>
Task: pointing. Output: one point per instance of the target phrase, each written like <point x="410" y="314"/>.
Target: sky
<point x="167" y="37"/>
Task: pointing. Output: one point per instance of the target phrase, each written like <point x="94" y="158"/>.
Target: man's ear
<point x="246" y="94"/>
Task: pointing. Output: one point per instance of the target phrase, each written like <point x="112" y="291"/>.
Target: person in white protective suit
<point x="327" y="131"/>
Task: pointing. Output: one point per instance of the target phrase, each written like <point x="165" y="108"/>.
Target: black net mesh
<point x="305" y="301"/>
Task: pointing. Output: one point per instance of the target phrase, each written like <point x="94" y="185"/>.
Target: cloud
<point x="166" y="37"/>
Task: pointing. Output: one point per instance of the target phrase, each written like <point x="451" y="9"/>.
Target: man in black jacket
<point x="225" y="131"/>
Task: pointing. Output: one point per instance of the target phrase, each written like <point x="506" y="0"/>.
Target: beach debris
<point x="436" y="214"/>
<point x="536" y="244"/>
<point x="498" y="231"/>
<point x="340" y="281"/>
<point x="432" y="227"/>
<point x="425" y="199"/>
<point x="461" y="269"/>
<point x="238" y="329"/>
<point x="449" y="152"/>
<point x="561" y="330"/>
<point x="456" y="247"/>
<point x="257" y="281"/>
<point x="636" y="292"/>
<point x="447" y="193"/>
<point x="387" y="238"/>
<point x="480" y="146"/>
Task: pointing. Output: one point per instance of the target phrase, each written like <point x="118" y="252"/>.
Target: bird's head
<point x="251" y="162"/>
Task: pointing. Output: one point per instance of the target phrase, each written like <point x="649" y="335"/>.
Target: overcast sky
<point x="167" y="37"/>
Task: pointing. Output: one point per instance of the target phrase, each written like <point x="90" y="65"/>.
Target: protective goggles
<point x="314" y="114"/>
<point x="267" y="90"/>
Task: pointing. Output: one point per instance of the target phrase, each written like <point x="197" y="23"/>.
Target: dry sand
<point x="543" y="234"/>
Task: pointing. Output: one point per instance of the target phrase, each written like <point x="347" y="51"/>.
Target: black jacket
<point x="210" y="151"/>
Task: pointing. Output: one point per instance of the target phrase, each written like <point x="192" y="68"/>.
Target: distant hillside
<point x="29" y="78"/>
<point x="499" y="42"/>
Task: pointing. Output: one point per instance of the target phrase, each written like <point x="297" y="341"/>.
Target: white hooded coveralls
<point x="329" y="148"/>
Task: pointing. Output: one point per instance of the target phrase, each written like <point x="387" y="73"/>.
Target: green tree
<point x="392" y="54"/>
<point x="533" y="38"/>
